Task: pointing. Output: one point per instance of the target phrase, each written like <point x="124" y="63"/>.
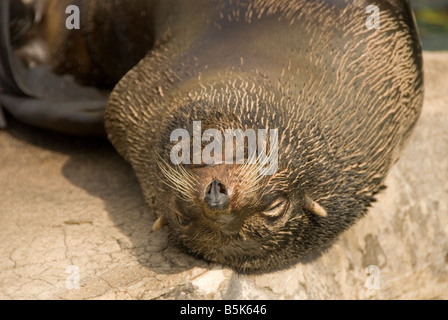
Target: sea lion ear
<point x="313" y="206"/>
<point x="159" y="224"/>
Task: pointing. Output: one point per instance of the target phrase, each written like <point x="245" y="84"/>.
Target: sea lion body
<point x="344" y="98"/>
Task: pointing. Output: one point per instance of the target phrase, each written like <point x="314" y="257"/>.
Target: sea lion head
<point x="224" y="215"/>
<point x="247" y="213"/>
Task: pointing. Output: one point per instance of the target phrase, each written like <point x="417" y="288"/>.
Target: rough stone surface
<point x="70" y="205"/>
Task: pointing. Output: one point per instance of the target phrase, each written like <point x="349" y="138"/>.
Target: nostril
<point x="216" y="196"/>
<point x="208" y="190"/>
<point x="222" y="188"/>
<point x="217" y="187"/>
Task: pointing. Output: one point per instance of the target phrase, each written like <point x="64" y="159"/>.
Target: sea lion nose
<point x="216" y="196"/>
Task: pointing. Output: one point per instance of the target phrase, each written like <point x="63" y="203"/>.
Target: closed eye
<point x="276" y="209"/>
<point x="183" y="220"/>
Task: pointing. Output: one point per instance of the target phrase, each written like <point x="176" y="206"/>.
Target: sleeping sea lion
<point x="197" y="86"/>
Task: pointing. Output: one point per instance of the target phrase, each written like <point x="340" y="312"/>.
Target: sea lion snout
<point x="216" y="196"/>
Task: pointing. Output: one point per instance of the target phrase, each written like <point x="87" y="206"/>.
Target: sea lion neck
<point x="224" y="100"/>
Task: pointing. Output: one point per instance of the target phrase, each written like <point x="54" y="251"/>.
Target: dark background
<point x="432" y="19"/>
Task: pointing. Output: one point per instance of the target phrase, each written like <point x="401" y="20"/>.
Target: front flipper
<point x="75" y="117"/>
<point x="39" y="97"/>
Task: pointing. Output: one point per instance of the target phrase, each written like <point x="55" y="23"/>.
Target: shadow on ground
<point x="96" y="167"/>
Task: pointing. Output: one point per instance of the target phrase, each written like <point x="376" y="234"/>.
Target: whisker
<point x="178" y="179"/>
